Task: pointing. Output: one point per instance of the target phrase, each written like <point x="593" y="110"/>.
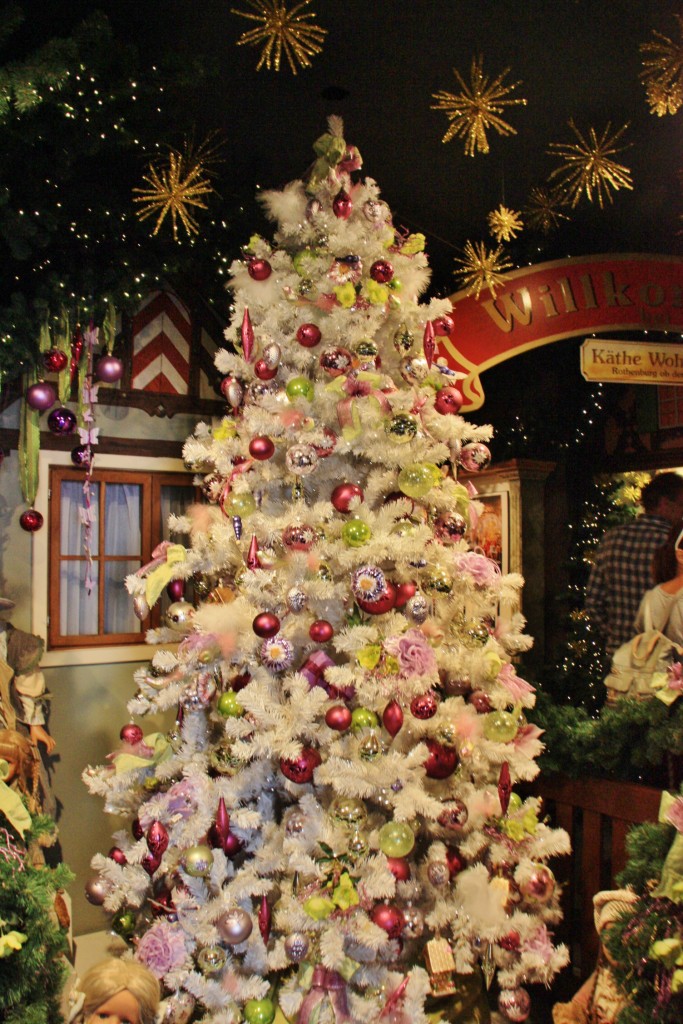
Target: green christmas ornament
<point x="259" y="1011"/>
<point x="123" y="923"/>
<point x="211" y="959"/>
<point x="401" y="428"/>
<point x="396" y="839"/>
<point x="500" y="726"/>
<point x="241" y="504"/>
<point x="229" y="706"/>
<point x="355" y="533"/>
<point x="417" y="479"/>
<point x="363" y="718"/>
<point x="299" y="387"/>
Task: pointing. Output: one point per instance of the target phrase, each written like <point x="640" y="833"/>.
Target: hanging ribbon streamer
<point x="29" y="448"/>
<point x="324" y="984"/>
<point x="89" y="436"/>
<point x="161" y="570"/>
<point x="63" y="343"/>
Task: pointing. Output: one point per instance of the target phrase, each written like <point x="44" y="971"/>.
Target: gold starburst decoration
<point x="482" y="268"/>
<point x="588" y="168"/>
<point x="504" y="223"/>
<point x="174" y="188"/>
<point x="282" y="31"/>
<point x="478" y="107"/>
<point x="543" y="210"/>
<point x="662" y="72"/>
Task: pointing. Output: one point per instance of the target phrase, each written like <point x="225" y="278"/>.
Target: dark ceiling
<point x="380" y="65"/>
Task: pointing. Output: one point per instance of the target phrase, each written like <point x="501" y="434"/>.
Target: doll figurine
<point x="115" y="991"/>
<point x="22" y="685"/>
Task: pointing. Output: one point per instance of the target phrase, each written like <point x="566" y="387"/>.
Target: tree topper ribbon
<point x="161" y="570"/>
<point x="157" y="742"/>
<point x="363" y="384"/>
<point x="324" y="984"/>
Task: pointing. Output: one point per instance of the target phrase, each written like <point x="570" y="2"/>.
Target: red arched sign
<point x="562" y="299"/>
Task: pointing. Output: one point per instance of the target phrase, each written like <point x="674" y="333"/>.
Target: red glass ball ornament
<point x="41" y="396"/>
<point x="309" y="335"/>
<point x="300" y="769"/>
<point x="231" y="844"/>
<point x="381" y="271"/>
<point x="30" y="520"/>
<point x="131" y="733"/>
<point x="137" y="829"/>
<point x="151" y="863"/>
<point x="424" y="706"/>
<point x="390" y="919"/>
<point x="263" y="371"/>
<point x="338" y="717"/>
<point x="265" y="625"/>
<point x="259" y="270"/>
<point x="299" y="537"/>
<point x="404" y="592"/>
<point x="61" y="421"/>
<point x="392" y="718"/>
<point x="261" y="447"/>
<point x="480" y="702"/>
<point x="342" y="206"/>
<point x="511" y="941"/>
<point x="109" y="369"/>
<point x="82" y="456"/>
<point x="454" y="860"/>
<point x="343" y="494"/>
<point x="441" y="762"/>
<point x="176" y="590"/>
<point x="321" y="631"/>
<point x="399" y="867"/>
<point x="55" y="360"/>
<point x="336" y="361"/>
<point x="383" y="604"/>
<point x="448" y="401"/>
<point x="443" y="325"/>
<point x="454" y="816"/>
<point x="118" y="856"/>
<point x="157" y="838"/>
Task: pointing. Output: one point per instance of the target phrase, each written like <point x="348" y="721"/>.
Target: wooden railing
<point x="597" y="814"/>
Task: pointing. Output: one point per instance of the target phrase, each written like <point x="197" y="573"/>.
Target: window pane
<point x="119" y="616"/>
<point x="122" y="520"/>
<point x="175" y="500"/>
<point x="70" y="525"/>
<point x="77" y="608"/>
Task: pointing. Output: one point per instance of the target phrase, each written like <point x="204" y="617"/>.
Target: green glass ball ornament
<point x="363" y="718"/>
<point x="500" y="726"/>
<point x="396" y="839"/>
<point x="401" y="428"/>
<point x="198" y="860"/>
<point x="211" y="959"/>
<point x="417" y="479"/>
<point x="437" y="579"/>
<point x="299" y="387"/>
<point x="259" y="1011"/>
<point x="229" y="706"/>
<point x="123" y="923"/>
<point x="355" y="533"/>
<point x="348" y="812"/>
<point x="241" y="503"/>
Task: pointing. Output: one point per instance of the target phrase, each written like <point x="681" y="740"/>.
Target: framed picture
<point x="490" y="534"/>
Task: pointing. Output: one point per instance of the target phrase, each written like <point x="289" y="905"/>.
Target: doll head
<point x="22" y="758"/>
<point x="120" y="990"/>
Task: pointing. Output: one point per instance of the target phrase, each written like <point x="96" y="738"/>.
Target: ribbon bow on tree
<point x="363" y="384"/>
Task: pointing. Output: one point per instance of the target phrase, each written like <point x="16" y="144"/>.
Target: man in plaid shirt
<point x="622" y="570"/>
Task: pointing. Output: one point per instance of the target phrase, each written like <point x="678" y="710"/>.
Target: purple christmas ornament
<point x="41" y="396"/>
<point x="61" y="421"/>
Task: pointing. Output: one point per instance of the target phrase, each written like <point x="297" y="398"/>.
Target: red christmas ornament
<point x="504" y="787"/>
<point x="343" y="494"/>
<point x="328" y="446"/>
<point x="480" y="702"/>
<point x="442" y="761"/>
<point x="30" y="520"/>
<point x="231" y="845"/>
<point x="259" y="270"/>
<point x="338" y="717"/>
<point x="118" y="856"/>
<point x="131" y="733"/>
<point x="309" y="335"/>
<point x="265" y="625"/>
<point x="448" y="401"/>
<point x="321" y="631"/>
<point x="109" y="369"/>
<point x="381" y="271"/>
<point x="151" y="862"/>
<point x="424" y="706"/>
<point x="392" y="718"/>
<point x="428" y="343"/>
<point x="137" y="829"/>
<point x="162" y="904"/>
<point x="450" y="527"/>
<point x="383" y="604"/>
<point x="157" y="838"/>
<point x="253" y="561"/>
<point x="404" y="592"/>
<point x="511" y="941"/>
<point x="55" y="360"/>
<point x="263" y="371"/>
<point x="539" y="886"/>
<point x="300" y="769"/>
<point x="220" y="830"/>
<point x="454" y="860"/>
<point x="247" y="336"/>
<point x="342" y="206"/>
<point x="261" y="448"/>
<point x="443" y="325"/>
<point x="399" y="867"/>
<point x="454" y="816"/>
<point x="265" y="918"/>
<point x="299" y="537"/>
<point x="390" y="919"/>
<point x="176" y="590"/>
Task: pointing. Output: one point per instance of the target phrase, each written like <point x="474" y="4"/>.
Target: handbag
<point x="638" y="659"/>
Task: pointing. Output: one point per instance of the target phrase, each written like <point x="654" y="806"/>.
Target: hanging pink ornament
<point x="41" y="396"/>
<point x="342" y="206"/>
<point x="504" y="787"/>
<point x="109" y="369"/>
<point x="61" y="421"/>
<point x="263" y="371"/>
<point x="82" y="456"/>
<point x="454" y="816"/>
<point x="448" y="401"/>
<point x="515" y="1004"/>
<point x="247" y="336"/>
<point x="253" y="561"/>
<point x="343" y="494"/>
<point x="261" y="448"/>
<point x="336" y="361"/>
<point x="233" y="392"/>
<point x="450" y="527"/>
<point x="404" y="592"/>
<point x="30" y="520"/>
<point x="384" y="603"/>
<point x="299" y="537"/>
<point x="474" y="457"/>
<point x="55" y="360"/>
<point x="96" y="891"/>
<point x="390" y="919"/>
<point x="176" y="590"/>
<point x="321" y="631"/>
<point x="392" y="718"/>
<point x="265" y="920"/>
<point x="441" y="762"/>
<point x="265" y="625"/>
<point x="131" y="733"/>
<point x="424" y="706"/>
<point x="308" y="335"/>
<point x="428" y="343"/>
<point x="259" y="270"/>
<point x="118" y="856"/>
<point x="443" y="325"/>
<point x="300" y="769"/>
<point x="338" y="718"/>
<point x="157" y="838"/>
<point x="539" y="886"/>
<point x="399" y="867"/>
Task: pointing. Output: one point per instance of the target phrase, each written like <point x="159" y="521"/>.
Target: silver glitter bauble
<point x="417" y="608"/>
<point x="295" y="821"/>
<point x="438" y="873"/>
<point x="296" y="600"/>
<point x="414" y="922"/>
<point x="296" y="947"/>
<point x="301" y="459"/>
<point x="235" y="926"/>
<point x="414" y="369"/>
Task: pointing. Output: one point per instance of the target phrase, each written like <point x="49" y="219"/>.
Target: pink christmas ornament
<point x="392" y="718"/>
<point x="338" y="717"/>
<point x="131" y="733"/>
<point x="259" y="270"/>
<point x="342" y="207"/>
<point x="321" y="631"/>
<point x="41" y="396"/>
<point x="515" y="1004"/>
<point x="443" y="325"/>
<point x="448" y="401"/>
<point x="389" y="918"/>
<point x="399" y="867"/>
<point x="247" y="336"/>
<point x="109" y="369"/>
<point x="424" y="706"/>
<point x="308" y="335"/>
<point x="265" y="918"/>
<point x="300" y="769"/>
<point x="261" y="448"/>
<point x="343" y="495"/>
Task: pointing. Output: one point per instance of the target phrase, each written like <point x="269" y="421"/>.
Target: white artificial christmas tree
<point x="331" y="830"/>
